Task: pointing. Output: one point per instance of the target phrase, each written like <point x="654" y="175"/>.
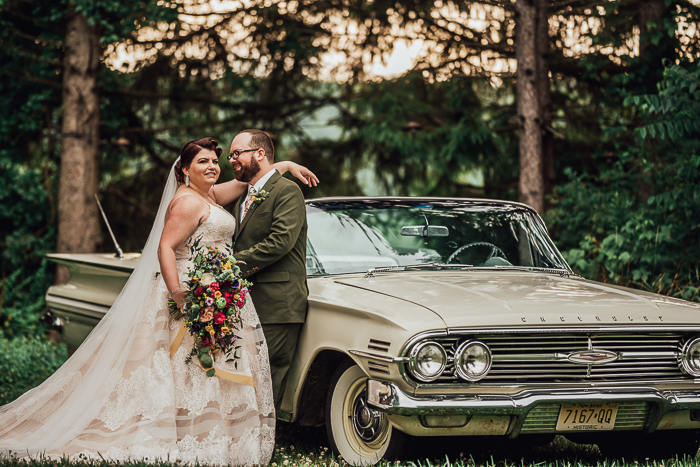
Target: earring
<point x="187" y="180"/>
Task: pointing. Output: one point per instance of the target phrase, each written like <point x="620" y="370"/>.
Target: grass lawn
<point x="308" y="447"/>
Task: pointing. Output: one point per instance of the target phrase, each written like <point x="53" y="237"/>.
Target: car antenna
<point x="119" y="253"/>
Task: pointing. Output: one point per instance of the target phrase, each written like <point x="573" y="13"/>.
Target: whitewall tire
<point x="361" y="435"/>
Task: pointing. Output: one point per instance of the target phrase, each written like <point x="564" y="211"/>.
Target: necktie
<point x="248" y="202"/>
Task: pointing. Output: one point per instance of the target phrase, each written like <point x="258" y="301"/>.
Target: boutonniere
<point x="257" y="197"/>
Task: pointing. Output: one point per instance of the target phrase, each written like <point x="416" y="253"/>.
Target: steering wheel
<point x="494" y="250"/>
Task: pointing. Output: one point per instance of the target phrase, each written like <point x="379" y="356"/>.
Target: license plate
<point x="584" y="417"/>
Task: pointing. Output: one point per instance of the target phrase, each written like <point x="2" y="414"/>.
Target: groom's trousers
<point x="281" y="344"/>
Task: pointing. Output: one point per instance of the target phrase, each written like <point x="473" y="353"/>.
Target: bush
<point x="26" y="362"/>
<point x="635" y="222"/>
<point x="27" y="233"/>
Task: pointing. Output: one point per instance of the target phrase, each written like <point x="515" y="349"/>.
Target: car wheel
<point x="658" y="445"/>
<point x="361" y="435"/>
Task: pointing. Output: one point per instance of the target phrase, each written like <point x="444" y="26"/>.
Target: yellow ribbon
<point x="227" y="375"/>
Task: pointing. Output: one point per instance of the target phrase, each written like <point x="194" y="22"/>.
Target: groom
<point x="271" y="238"/>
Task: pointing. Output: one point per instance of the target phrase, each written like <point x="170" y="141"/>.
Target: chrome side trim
<point x="77" y="307"/>
<point x="562" y="357"/>
<point x="381" y="358"/>
<point x="572" y="329"/>
<point x="550" y="384"/>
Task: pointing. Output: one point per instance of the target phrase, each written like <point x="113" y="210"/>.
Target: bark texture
<point x="531" y="183"/>
<point x="544" y="95"/>
<point x="649" y="11"/>
<point x="78" y="223"/>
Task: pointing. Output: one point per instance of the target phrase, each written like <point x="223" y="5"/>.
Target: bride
<point x="125" y="394"/>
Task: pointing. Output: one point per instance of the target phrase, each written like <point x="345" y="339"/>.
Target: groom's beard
<point x="247" y="172"/>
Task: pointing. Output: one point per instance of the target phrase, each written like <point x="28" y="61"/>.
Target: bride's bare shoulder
<point x="186" y="204"/>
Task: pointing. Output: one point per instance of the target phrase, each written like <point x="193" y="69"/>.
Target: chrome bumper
<point x="388" y="398"/>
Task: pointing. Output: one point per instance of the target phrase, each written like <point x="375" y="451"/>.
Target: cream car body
<point x="556" y="344"/>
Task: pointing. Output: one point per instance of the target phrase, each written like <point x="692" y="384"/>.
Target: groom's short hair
<point x="260" y="139"/>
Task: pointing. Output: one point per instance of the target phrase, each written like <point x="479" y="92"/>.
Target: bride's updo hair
<point x="190" y="151"/>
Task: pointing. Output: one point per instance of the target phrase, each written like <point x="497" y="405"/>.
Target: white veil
<point x="50" y="415"/>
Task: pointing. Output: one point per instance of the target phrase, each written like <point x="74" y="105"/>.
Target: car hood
<point x="487" y="298"/>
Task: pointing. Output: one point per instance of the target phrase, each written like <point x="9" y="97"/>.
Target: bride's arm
<point x="224" y="193"/>
<point x="183" y="219"/>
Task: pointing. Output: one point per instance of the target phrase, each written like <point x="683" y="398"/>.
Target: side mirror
<point x="424" y="231"/>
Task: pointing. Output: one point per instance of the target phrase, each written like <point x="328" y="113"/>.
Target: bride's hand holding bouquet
<point x="211" y="302"/>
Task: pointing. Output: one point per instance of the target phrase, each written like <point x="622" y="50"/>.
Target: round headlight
<point x="472" y="360"/>
<point x="690" y="357"/>
<point x="428" y="360"/>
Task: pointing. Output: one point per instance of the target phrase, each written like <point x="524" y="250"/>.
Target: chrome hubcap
<point x="368" y="423"/>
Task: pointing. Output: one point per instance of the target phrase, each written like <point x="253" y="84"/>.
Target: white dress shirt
<point x="257" y="187"/>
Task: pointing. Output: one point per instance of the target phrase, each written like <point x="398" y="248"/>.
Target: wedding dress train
<point x="121" y="397"/>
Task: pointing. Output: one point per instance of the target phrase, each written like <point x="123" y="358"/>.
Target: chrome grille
<point x="543" y="418"/>
<point x="543" y="357"/>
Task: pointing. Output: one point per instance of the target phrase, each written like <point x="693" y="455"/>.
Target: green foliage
<point x="635" y="222"/>
<point x="117" y="19"/>
<point x="27" y="233"/>
<point x="26" y="363"/>
<point x="420" y="137"/>
<point x="30" y="41"/>
<point x="677" y="106"/>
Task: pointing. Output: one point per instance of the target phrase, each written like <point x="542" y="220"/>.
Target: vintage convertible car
<point x="459" y="317"/>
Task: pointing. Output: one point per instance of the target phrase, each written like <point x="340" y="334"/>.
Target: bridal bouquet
<point x="215" y="295"/>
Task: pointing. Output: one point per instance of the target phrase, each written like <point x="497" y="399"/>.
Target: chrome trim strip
<point x="381" y="358"/>
<point x="562" y="357"/>
<point x="573" y="329"/>
<point x="96" y="265"/>
<point x="536" y="385"/>
<point x="78" y="307"/>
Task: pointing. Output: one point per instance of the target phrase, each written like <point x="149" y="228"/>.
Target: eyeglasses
<point x="236" y="154"/>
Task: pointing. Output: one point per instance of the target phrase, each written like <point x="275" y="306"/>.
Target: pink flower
<point x="207" y="314"/>
<point x="219" y="318"/>
<point x="214" y="286"/>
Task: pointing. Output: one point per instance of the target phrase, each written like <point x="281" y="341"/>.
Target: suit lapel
<point x="237" y="215"/>
<point x="269" y="185"/>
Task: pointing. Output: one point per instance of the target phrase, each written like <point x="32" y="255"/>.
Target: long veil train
<point x="50" y="415"/>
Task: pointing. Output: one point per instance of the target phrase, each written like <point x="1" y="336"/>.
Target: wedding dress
<point x="122" y="398"/>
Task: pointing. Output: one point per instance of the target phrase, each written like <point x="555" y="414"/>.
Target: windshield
<point x="357" y="237"/>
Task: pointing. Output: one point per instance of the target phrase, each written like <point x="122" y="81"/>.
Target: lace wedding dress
<point x="136" y="403"/>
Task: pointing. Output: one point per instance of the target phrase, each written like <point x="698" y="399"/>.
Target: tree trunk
<point x="544" y="95"/>
<point x="531" y="183"/>
<point x="78" y="223"/>
<point x="649" y="11"/>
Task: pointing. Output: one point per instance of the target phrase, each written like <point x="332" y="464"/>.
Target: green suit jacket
<point x="271" y="239"/>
